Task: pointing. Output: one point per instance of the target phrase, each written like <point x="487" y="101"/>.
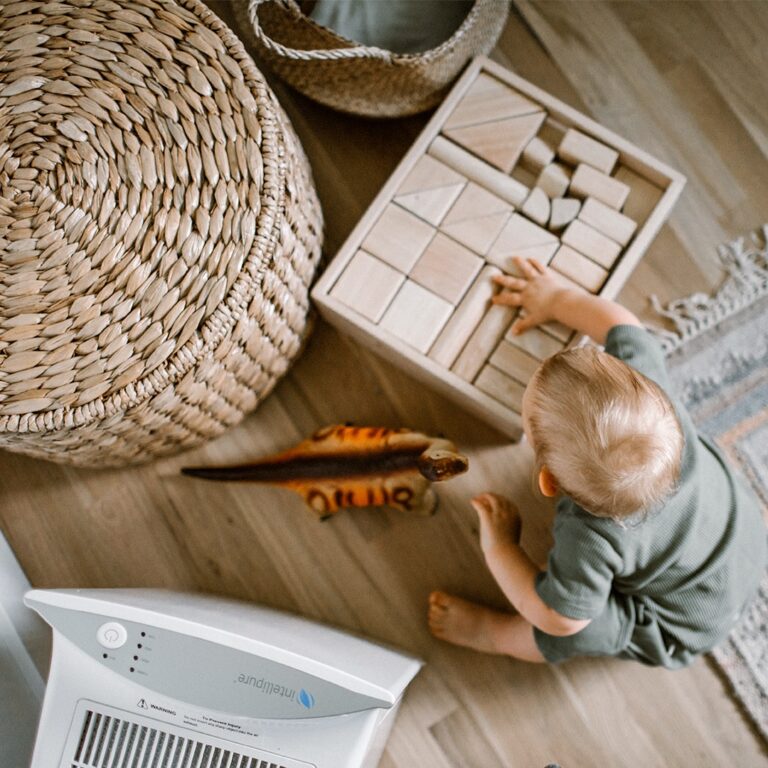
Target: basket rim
<point x="220" y="322"/>
<point x="421" y="57"/>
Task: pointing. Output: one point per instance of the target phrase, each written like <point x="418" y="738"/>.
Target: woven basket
<point x="158" y="230"/>
<point x="365" y="80"/>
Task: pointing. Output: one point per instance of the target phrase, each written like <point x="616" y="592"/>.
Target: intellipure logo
<point x="270" y="688"/>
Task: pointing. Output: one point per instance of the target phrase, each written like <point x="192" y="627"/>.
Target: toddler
<point x="657" y="546"/>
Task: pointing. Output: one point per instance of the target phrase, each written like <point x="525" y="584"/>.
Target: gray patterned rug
<point x="718" y="358"/>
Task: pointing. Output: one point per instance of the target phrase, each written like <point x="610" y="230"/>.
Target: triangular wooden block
<point x="477" y="234"/>
<point x="429" y="173"/>
<point x="430" y="204"/>
<point x="475" y="201"/>
<point x="489" y="99"/>
<point x="521" y="237"/>
<point x="501" y="142"/>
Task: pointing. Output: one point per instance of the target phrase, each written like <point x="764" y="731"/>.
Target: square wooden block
<point x="398" y="237"/>
<point x="416" y="316"/>
<point x="446" y="268"/>
<point x="367" y="285"/>
<point x="502" y="169"/>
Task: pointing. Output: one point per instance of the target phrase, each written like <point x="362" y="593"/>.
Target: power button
<point x="112" y="635"/>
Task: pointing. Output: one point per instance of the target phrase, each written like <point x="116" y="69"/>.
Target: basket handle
<point x="330" y="54"/>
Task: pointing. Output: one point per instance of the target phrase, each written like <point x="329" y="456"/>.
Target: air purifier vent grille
<point x="107" y="741"/>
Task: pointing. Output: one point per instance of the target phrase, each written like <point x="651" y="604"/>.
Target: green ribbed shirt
<point x="673" y="585"/>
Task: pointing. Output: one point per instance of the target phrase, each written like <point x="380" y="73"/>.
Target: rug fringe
<point x="745" y="262"/>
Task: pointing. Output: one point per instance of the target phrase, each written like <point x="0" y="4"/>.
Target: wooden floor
<point x="687" y="81"/>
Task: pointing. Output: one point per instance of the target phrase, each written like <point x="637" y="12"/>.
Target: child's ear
<point x="547" y="483"/>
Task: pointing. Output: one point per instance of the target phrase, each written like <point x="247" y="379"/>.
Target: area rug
<point x="718" y="360"/>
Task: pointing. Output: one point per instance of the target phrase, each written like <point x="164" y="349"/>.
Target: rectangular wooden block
<point x="416" y="316"/>
<point x="588" y="241"/>
<point x="465" y="319"/>
<point x="580" y="269"/>
<point x="588" y="182"/>
<point x="535" y="342"/>
<point x="478" y="171"/>
<point x="367" y="285"/>
<point x="514" y="362"/>
<point x="398" y="238"/>
<point x="446" y="268"/>
<point x="576" y="147"/>
<point x="607" y="220"/>
<point x="501" y="387"/>
<point x="643" y="195"/>
<point x="483" y="341"/>
<point x="558" y="330"/>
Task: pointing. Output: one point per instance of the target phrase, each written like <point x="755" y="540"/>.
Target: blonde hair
<point x="608" y="434"/>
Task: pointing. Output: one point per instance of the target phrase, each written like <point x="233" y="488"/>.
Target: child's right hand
<point x="535" y="292"/>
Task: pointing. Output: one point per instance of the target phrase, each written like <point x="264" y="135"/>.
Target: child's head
<point x="608" y="436"/>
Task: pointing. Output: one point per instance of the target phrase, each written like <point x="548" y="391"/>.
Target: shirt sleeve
<point x="636" y="347"/>
<point x="580" y="569"/>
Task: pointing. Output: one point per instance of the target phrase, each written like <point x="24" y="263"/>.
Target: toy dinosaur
<point x="343" y="466"/>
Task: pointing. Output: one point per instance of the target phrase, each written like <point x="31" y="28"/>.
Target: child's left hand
<point x="499" y="520"/>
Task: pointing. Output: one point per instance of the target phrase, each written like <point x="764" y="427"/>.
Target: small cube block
<point x="584" y="239"/>
<point x="537" y="154"/>
<point x="588" y="182"/>
<point x="367" y="285"/>
<point x="580" y="269"/>
<point x="576" y="147"/>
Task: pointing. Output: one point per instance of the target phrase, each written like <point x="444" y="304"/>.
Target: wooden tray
<point x="502" y="168"/>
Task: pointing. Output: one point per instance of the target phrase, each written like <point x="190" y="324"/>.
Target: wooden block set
<point x="501" y="170"/>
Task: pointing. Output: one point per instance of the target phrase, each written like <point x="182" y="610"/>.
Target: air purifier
<point x="158" y="679"/>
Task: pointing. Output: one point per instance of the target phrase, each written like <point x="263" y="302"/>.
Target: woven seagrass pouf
<point x="158" y="230"/>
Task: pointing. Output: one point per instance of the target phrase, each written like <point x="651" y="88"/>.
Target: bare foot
<point x="463" y="623"/>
